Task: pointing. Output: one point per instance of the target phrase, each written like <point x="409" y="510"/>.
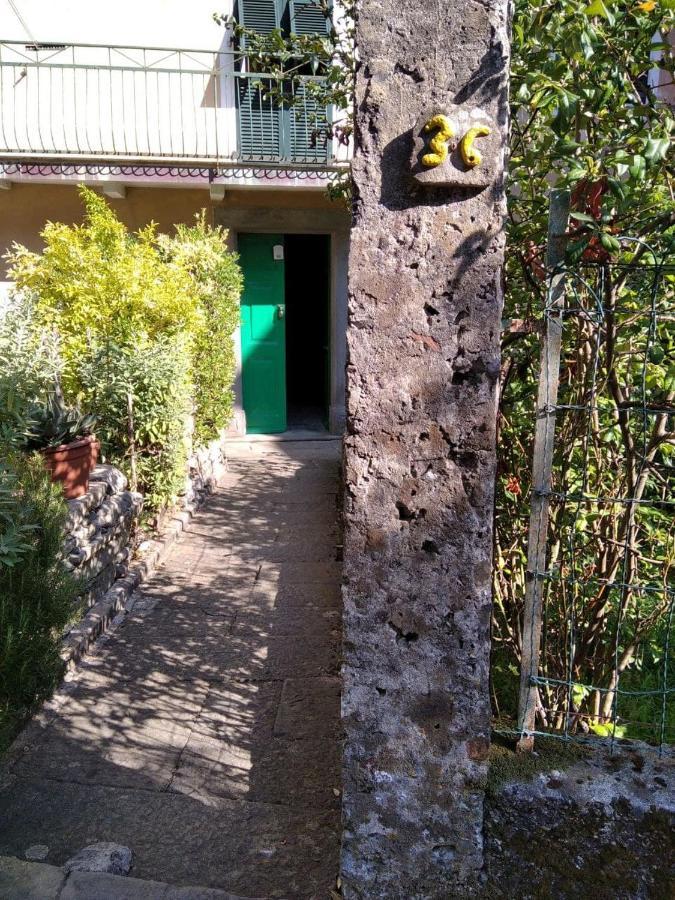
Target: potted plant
<point x="64" y="438"/>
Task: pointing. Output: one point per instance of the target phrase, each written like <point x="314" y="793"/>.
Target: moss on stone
<point x="505" y="764"/>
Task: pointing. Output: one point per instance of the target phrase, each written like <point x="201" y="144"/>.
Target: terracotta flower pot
<point x="71" y="465"/>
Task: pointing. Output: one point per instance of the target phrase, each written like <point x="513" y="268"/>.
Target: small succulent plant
<point x="52" y="423"/>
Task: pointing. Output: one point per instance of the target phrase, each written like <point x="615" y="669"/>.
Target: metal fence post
<point x="549" y="370"/>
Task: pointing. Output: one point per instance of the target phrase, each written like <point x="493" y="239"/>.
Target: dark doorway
<point x="307" y="274"/>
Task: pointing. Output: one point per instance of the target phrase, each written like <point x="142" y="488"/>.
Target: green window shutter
<point x="258" y="117"/>
<point x="309" y="128"/>
<point x="304" y="16"/>
<point x="259" y="122"/>
<point x="307" y="17"/>
<point x="307" y="120"/>
<point x="267" y="131"/>
<point x="262" y="16"/>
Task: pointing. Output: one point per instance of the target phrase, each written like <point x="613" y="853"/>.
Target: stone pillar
<point x="425" y="301"/>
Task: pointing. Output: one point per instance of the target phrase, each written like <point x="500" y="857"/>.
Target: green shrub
<point x="96" y="281"/>
<point x="583" y="112"/>
<point x="202" y="251"/>
<point x="140" y="395"/>
<point x="36" y="593"/>
<point x="15" y="533"/>
<point x="29" y="363"/>
<point x="139" y="327"/>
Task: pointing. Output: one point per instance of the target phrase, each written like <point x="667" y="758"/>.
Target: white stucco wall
<point x="147" y="23"/>
<point x="145" y="104"/>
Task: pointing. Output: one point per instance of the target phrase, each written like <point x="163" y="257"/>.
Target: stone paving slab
<point x="288" y="773"/>
<point x="309" y="709"/>
<point x="203" y="731"/>
<point x="247" y="847"/>
<point x="21" y="880"/>
<point x="91" y="885"/>
<point x="287" y="573"/>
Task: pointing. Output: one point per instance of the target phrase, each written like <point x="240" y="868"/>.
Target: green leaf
<point x="656" y="149"/>
<point x="523" y="93"/>
<point x="637" y="167"/>
<point x="598" y="8"/>
<point x="610" y="243"/>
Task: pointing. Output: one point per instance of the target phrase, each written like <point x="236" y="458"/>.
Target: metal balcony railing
<point x="155" y="105"/>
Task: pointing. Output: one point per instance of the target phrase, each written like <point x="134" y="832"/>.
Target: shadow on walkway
<point x="204" y="731"/>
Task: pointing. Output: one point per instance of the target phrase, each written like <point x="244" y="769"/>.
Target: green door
<point x="263" y="332"/>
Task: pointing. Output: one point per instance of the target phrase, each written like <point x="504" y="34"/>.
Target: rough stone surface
<point x="34" y="881"/>
<point x="205" y="469"/>
<point x="21" y="880"/>
<point x="99" y="529"/>
<point x="92" y="886"/>
<point x="423" y="363"/>
<point x="203" y="731"/>
<point x="602" y="828"/>
<point x="37" y="852"/>
<point x="103" y="856"/>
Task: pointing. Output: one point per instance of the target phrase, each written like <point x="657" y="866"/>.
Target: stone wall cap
<point x="114" y="480"/>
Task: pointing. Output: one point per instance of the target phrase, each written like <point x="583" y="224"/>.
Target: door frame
<point x="302" y="221"/>
<point x="269" y="385"/>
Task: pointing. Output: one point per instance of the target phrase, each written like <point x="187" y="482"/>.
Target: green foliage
<point x="97" y="282"/>
<point x="15" y="533"/>
<point x="36" y="593"/>
<point x="52" y="423"/>
<point x="29" y="362"/>
<point x="585" y="118"/>
<point x="139" y="328"/>
<point x="141" y="396"/>
<point x="201" y="251"/>
<point x="584" y="115"/>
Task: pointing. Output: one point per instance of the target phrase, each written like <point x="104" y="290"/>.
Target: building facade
<point x="159" y="107"/>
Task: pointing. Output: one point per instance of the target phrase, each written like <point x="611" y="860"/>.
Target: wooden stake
<point x="547" y="397"/>
<point x="132" y="441"/>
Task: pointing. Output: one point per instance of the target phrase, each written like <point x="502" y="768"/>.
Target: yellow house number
<point x="438" y="144"/>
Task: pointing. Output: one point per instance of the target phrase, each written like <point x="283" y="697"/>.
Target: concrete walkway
<point x="203" y="732"/>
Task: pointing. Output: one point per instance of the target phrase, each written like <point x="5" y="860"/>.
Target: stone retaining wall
<point x="600" y="829"/>
<point x="205" y="468"/>
<point x="99" y="532"/>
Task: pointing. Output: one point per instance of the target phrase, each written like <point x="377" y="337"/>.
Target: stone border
<point x="207" y="468"/>
<point x="20" y="879"/>
<point x="99" y="533"/>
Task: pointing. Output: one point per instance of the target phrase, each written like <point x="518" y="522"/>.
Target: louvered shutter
<point x="259" y="118"/>
<point x="309" y="128"/>
<point x="267" y="132"/>
<point x="259" y="122"/>
<point x="262" y="16"/>
<point x="308" y="121"/>
<point x="307" y="17"/>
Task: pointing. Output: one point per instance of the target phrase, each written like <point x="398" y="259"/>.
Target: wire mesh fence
<point x="597" y="655"/>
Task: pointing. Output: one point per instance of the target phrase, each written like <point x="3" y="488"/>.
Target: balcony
<point x="157" y="106"/>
